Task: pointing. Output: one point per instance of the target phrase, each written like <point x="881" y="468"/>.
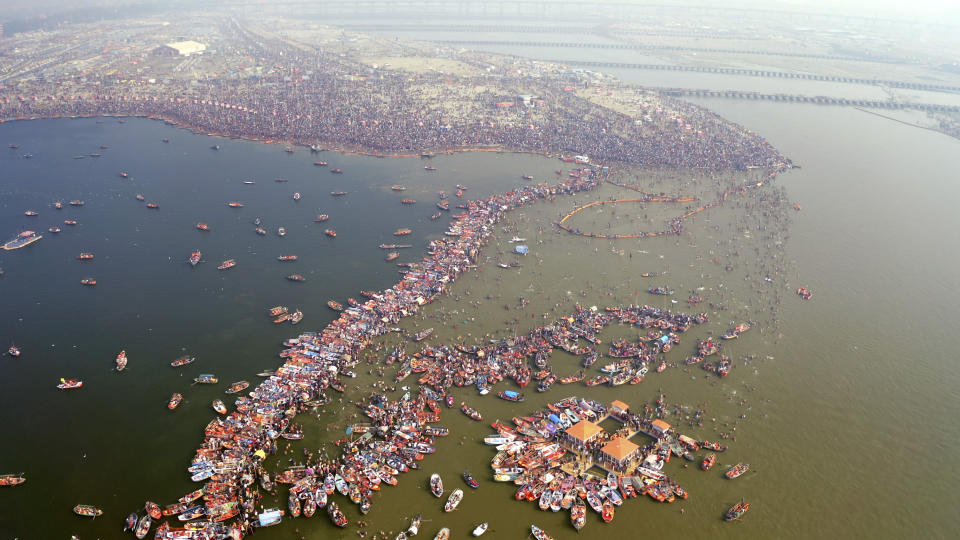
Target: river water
<point x="850" y="430"/>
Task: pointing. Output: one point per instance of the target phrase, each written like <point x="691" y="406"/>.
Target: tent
<point x="521" y="249"/>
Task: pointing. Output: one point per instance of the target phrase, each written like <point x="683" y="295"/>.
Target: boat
<point x="68" y="384"/>
<point x="578" y="515"/>
<point x="336" y="516"/>
<point x="436" y="216"/>
<point x="140" y="197"/>
<point x="436" y="485"/>
<point x="85" y="256"/>
<point x="442" y="534"/>
<point x="804" y="293"/>
<point x="153" y="205"/>
<point x="287" y="258"/>
<point x="206" y="378"/>
<point x="480" y="529"/>
<point x="392" y="256"/>
<point x="215" y="147"/>
<point x="607" y="511"/>
<point x="13" y="351"/>
<point x="395" y="246"/>
<point x="77" y="202"/>
<point x="334" y="305"/>
<point x="330" y="232"/>
<point x="421" y="335"/>
<point x="281" y="231"/>
<point x="470" y="480"/>
<point x="143" y="526"/>
<point x="510" y="395"/>
<point x="321" y="218"/>
<point x="12" y="479"/>
<point x="89" y="282"/>
<point x="444" y="205"/>
<point x="219" y="406"/>
<point x="708" y="462"/>
<point x="471" y="412"/>
<point x="296" y="277"/>
<point x="87" y="510"/>
<point x="249" y="182"/>
<point x="54" y="229"/>
<point x="737" y="470"/>
<point x="175" y="400"/>
<point x="414" y="527"/>
<point x="229" y="263"/>
<point x="320" y="163"/>
<point x="288" y="150"/>
<point x="23" y="239"/>
<point x="261" y="231"/>
<point x="516" y="239"/>
<point x="453" y="501"/>
<point x="737" y="511"/>
<point x="339" y="193"/>
<point x="408" y="201"/>
<point x="665" y="291"/>
<point x="131" y="522"/>
<point x="195" y="257"/>
<point x="121" y="360"/>
<point x="398" y="188"/>
<point x="235" y="204"/>
<point x="336" y="171"/>
<point x="183" y="360"/>
<point x="281" y="179"/>
<point x="71" y="222"/>
<point x="237" y="387"/>
<point x="277" y="310"/>
<point x="429" y="168"/>
<point x="402" y="232"/>
<point x="538" y="533"/>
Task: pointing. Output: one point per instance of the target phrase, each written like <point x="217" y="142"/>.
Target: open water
<point x="851" y="430"/>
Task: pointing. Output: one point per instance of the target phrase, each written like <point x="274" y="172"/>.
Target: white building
<point x="181" y="48"/>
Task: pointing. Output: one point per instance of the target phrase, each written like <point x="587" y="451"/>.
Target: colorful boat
<point x="153" y="205"/>
<point x="321" y="218"/>
<point x="206" y="378"/>
<point x="31" y="213"/>
<point x="287" y="258"/>
<point x="87" y="510"/>
<point x="336" y="171"/>
<point x="140" y="197"/>
<point x="392" y="256"/>
<point x="153" y="509"/>
<point x="219" y="406"/>
<point x="402" y="232"/>
<point x="12" y="479"/>
<point x="470" y="480"/>
<point x="578" y="515"/>
<point x="398" y="188"/>
<point x="68" y="384"/>
<point x="121" y="361"/>
<point x="237" y="387"/>
<point x="203" y="227"/>
<point x="330" y="232"/>
<point x="174" y="401"/>
<point x="235" y="204"/>
<point x="421" y="335"/>
<point x="708" y="462"/>
<point x="453" y="500"/>
<point x="296" y="277"/>
<point x="277" y="310"/>
<point x="23" y="239"/>
<point x="737" y="470"/>
<point x="334" y="305"/>
<point x="737" y="511"/>
<point x="183" y="360"/>
<point x="229" y="263"/>
<point x="436" y="485"/>
<point x="471" y="412"/>
<point x="89" y="282"/>
<point x="195" y="258"/>
<point x="320" y="163"/>
<point x="296" y="317"/>
<point x="539" y="533"/>
<point x="408" y="201"/>
<point x="14" y="351"/>
<point x="85" y="256"/>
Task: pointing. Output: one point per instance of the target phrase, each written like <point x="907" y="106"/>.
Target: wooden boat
<point x="131" y="522"/>
<point x="287" y="258"/>
<point x="804" y="293"/>
<point x="77" y="203"/>
<point x="288" y="150"/>
<point x="153" y="205"/>
<point x="421" y="335"/>
<point x="408" y="201"/>
<point x="13" y="351"/>
<point x="237" y="387"/>
<point x="320" y="163"/>
<point x="436" y="216"/>
<point x="392" y="256"/>
<point x="203" y="227"/>
<point x="708" y="462"/>
<point x="71" y="222"/>
<point x="121" y="361"/>
<point x="31" y="213"/>
<point x="334" y="305"/>
<point x="330" y="232"/>
<point x="737" y="511"/>
<point x="68" y="384"/>
<point x="229" y="263"/>
<point x="54" y="230"/>
<point x="143" y="526"/>
<point x="321" y="218"/>
<point x="436" y="485"/>
<point x="737" y="470"/>
<point x="607" y="511"/>
<point x="444" y="205"/>
<point x="140" y="197"/>
<point x="510" y="395"/>
<point x="281" y="232"/>
<point x="261" y="231"/>
<point x="471" y="412"/>
<point x="235" y="204"/>
<point x="402" y="232"/>
<point x="87" y="510"/>
<point x="206" y="378"/>
<point x="219" y="406"/>
<point x="12" y="479"/>
<point x="89" y="282"/>
<point x="453" y="501"/>
<point x="480" y="529"/>
<point x="296" y="277"/>
<point x="336" y="516"/>
<point x="195" y="258"/>
<point x="442" y="534"/>
<point x="336" y="171"/>
<point x="183" y="360"/>
<point x="578" y="515"/>
<point x="470" y="480"/>
<point x="538" y="533"/>
<point x="153" y="509"/>
<point x="85" y="256"/>
<point x="175" y="400"/>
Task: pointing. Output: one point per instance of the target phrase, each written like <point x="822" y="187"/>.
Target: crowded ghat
<point x="230" y="459"/>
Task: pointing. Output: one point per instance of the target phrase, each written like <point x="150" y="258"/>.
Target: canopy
<point x="522" y="249"/>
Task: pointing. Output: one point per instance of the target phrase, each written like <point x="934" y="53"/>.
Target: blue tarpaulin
<point x="522" y="249"/>
<point x="664" y="339"/>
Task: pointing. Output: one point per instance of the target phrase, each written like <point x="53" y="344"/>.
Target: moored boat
<point x="23" y="239"/>
<point x="578" y="514"/>
<point x="237" y="387"/>
<point x="219" y="406"/>
<point x="408" y="201"/>
<point x="392" y="256"/>
<point x="296" y="317"/>
<point x="334" y="305"/>
<point x="442" y="534"/>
